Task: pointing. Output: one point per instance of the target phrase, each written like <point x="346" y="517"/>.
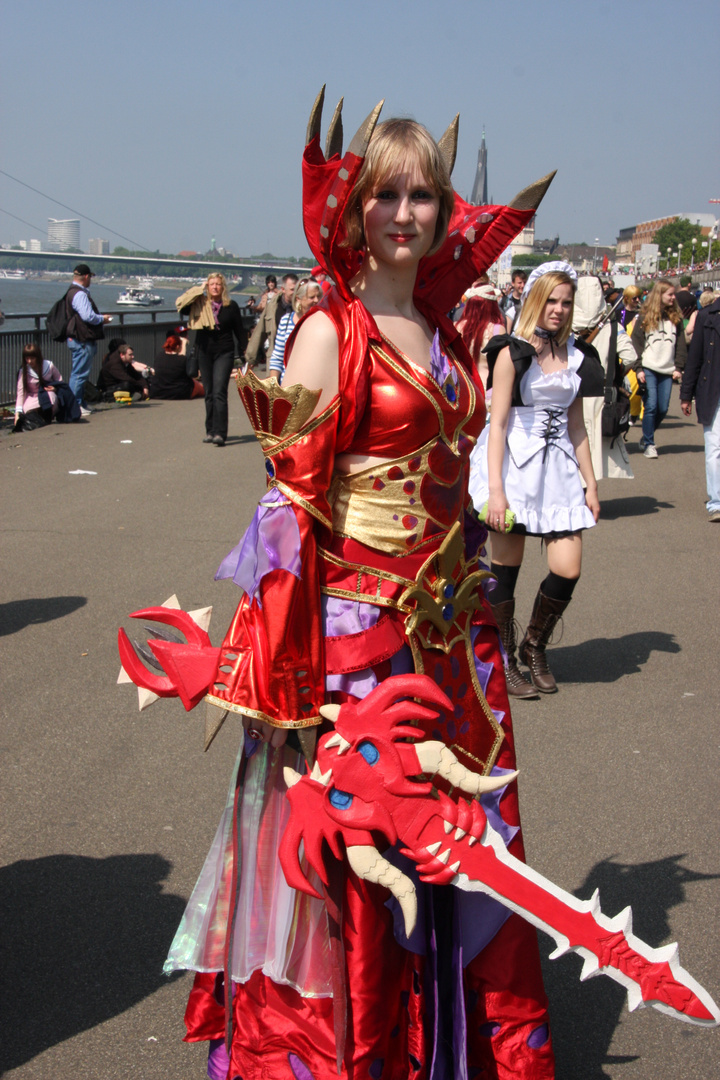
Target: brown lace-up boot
<point x="543" y="620"/>
<point x="517" y="684"/>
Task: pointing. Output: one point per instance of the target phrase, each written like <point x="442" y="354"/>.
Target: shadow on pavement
<point x="632" y="506"/>
<point x="239" y="440"/>
<point x="584" y="1015"/>
<point x="84" y="940"/>
<point x="17" y="614"/>
<point x="680" y="448"/>
<point x="604" y="660"/>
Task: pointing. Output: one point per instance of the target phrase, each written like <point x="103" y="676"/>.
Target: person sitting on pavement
<point x="172" y="380"/>
<point x="118" y="375"/>
<point x="42" y="396"/>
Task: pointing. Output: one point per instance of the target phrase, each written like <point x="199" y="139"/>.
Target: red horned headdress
<point x="477" y="235"/>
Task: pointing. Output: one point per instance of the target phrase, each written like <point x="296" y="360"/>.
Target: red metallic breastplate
<point x="424" y="426"/>
<point x="406" y="407"/>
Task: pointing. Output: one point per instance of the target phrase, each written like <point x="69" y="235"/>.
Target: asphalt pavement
<point x="108" y="813"/>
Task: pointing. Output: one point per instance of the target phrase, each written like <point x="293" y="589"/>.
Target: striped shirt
<point x="284" y="330"/>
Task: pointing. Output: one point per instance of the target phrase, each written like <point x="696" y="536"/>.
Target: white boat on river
<point x="136" y="297"/>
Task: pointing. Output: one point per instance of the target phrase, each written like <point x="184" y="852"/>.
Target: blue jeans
<point x="712" y="461"/>
<point x="657" y="402"/>
<point x="83" y="354"/>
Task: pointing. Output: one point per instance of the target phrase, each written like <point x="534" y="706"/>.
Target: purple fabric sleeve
<point x="272" y="542"/>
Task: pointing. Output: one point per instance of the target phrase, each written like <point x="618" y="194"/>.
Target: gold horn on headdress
<point x="315" y="120"/>
<point x="448" y="144"/>
<point x="531" y="196"/>
<point x="361" y="138"/>
<point x="333" y="142"/>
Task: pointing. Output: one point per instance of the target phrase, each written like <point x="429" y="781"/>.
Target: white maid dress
<point x="540" y="471"/>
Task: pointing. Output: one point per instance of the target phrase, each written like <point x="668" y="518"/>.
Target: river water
<point x="34" y="295"/>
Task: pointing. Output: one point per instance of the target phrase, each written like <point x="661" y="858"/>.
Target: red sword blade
<point x="476" y="860"/>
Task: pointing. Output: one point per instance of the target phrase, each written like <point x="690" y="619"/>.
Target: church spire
<point x="479" y="195"/>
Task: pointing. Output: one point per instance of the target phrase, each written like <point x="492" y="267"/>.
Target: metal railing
<point x="146" y="339"/>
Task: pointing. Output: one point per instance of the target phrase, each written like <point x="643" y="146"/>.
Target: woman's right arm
<point x="314" y="359"/>
<point x="502" y="389"/>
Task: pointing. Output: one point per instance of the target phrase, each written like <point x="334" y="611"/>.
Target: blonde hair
<point x="301" y="290"/>
<point x="225" y="293"/>
<point x="395" y="145"/>
<point x="534" y="305"/>
<point x="654" y="310"/>
<point x="707" y="297"/>
<point x="632" y="292"/>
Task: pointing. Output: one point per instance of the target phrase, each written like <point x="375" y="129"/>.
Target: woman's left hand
<point x="677" y="376"/>
<point x="593" y="503"/>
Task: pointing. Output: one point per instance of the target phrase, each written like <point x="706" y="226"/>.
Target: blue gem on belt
<point x="449" y="590"/>
<point x="270" y="468"/>
<point x="448" y="612"/>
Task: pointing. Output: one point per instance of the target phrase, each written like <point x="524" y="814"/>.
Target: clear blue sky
<point x="174" y="121"/>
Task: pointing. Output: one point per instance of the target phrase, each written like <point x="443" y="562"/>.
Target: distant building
<point x="64" y="235"/>
<point x="624" y="245"/>
<point x="546" y="247"/>
<point x="187" y="254"/>
<point x="22" y="244"/>
<point x="524" y="242"/>
<point x="35" y="245"/>
<point x="479" y="195"/>
<point x="633" y="238"/>
<point x="98" y="247"/>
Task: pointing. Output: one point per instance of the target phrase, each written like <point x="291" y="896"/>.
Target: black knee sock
<point x="558" y="588"/>
<point x="506" y="581"/>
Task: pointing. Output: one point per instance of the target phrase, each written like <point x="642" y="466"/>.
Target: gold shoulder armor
<point x="276" y="412"/>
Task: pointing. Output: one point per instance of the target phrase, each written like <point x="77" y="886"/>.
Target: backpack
<point x="59" y="317"/>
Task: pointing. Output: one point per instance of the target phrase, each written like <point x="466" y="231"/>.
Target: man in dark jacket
<point x="118" y="373"/>
<point x="262" y="339"/>
<point x="701" y="380"/>
<point x="85" y="329"/>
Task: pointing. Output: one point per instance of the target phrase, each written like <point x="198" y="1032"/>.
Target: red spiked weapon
<point x="368" y="779"/>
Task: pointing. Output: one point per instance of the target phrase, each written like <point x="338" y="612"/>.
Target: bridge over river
<point x="151" y="264"/>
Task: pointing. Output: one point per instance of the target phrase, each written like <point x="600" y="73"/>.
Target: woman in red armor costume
<point x="362" y="562"/>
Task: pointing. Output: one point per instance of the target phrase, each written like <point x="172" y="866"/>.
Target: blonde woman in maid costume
<point x="533" y="460"/>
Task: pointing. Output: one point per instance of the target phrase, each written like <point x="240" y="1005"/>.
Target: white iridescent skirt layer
<point x="281" y="932"/>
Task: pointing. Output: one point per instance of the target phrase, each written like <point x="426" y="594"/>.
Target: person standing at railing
<point x="85" y="329"/>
